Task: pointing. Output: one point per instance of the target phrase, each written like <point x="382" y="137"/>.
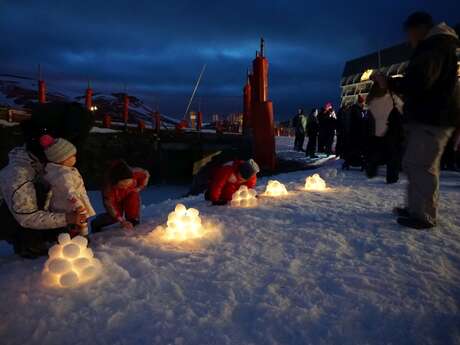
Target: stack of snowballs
<point x="315" y="183"/>
<point x="244" y="197"/>
<point x="70" y="263"/>
<point x="183" y="224"/>
<point x="275" y="188"/>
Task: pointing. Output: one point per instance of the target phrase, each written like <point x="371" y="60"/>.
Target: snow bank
<point x="5" y="123"/>
<point x="309" y="268"/>
<point x="103" y="130"/>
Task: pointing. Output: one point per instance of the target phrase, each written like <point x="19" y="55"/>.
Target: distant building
<point x="391" y="61"/>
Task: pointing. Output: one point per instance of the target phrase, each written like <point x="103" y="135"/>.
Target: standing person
<point x="121" y="195"/>
<point x="432" y="105"/>
<point x="312" y="133"/>
<point x="228" y="178"/>
<point x="327" y="126"/>
<point x="299" y="123"/>
<point x="356" y="134"/>
<point x="386" y="133"/>
<point x="342" y="122"/>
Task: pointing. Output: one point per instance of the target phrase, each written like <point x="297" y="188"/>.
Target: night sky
<point x="158" y="48"/>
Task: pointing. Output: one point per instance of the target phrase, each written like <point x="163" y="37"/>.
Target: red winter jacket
<point x="114" y="196"/>
<point x="225" y="181"/>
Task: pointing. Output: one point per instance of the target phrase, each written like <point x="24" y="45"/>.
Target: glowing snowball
<point x="64" y="238"/>
<point x="81" y="263"/>
<point x="183" y="224"/>
<point x="275" y="188"/>
<point x="81" y="241"/>
<point x="315" y="183"/>
<point x="55" y="251"/>
<point x="70" y="263"/>
<point x="71" y="250"/>
<point x="244" y="197"/>
<point x="59" y="266"/>
<point x="69" y="279"/>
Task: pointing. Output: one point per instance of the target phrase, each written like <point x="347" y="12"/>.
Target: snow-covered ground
<point x="285" y="151"/>
<point x="310" y="268"/>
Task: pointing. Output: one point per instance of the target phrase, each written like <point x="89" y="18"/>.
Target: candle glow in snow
<point x="275" y="188"/>
<point x="244" y="197"/>
<point x="70" y="263"/>
<point x="183" y="224"/>
<point x="315" y="183"/>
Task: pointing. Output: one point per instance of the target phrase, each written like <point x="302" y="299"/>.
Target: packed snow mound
<point x="331" y="173"/>
<point x="244" y="197"/>
<point x="315" y="183"/>
<point x="70" y="263"/>
<point x="275" y="188"/>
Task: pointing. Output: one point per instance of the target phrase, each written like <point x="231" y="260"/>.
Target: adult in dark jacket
<point x="356" y="134"/>
<point x="299" y="123"/>
<point x="386" y="133"/>
<point x="312" y="133"/>
<point x="342" y="119"/>
<point x="327" y="125"/>
<point x="432" y="105"/>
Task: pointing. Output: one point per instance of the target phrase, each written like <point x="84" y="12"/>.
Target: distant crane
<point x="194" y="91"/>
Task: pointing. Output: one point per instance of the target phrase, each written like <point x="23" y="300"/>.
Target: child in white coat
<point x="68" y="191"/>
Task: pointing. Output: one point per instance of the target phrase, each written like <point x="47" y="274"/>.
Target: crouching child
<point x="121" y="195"/>
<point x="226" y="179"/>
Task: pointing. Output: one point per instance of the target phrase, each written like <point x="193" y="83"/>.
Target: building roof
<point x="389" y="56"/>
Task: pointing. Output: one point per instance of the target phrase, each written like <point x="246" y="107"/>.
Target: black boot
<point x="414" y="223"/>
<point x="401" y="212"/>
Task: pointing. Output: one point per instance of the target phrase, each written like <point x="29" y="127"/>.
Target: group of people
<point x="42" y="193"/>
<point x="318" y="127"/>
<point x="405" y="123"/>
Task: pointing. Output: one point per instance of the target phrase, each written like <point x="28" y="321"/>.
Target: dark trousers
<point x="312" y="145"/>
<point x="298" y="142"/>
<point x="325" y="141"/>
<point x="26" y="242"/>
<point x="101" y="221"/>
<point x="384" y="150"/>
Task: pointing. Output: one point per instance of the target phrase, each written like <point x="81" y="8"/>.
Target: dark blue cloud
<point x="158" y="48"/>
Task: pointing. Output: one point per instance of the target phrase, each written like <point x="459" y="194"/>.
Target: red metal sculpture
<point x="41" y="91"/>
<point x="89" y="98"/>
<point x="261" y="113"/>
<point x="125" y="108"/>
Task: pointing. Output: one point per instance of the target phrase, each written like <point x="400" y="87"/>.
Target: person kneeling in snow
<point x="228" y="178"/>
<point x="121" y="196"/>
<point x="68" y="192"/>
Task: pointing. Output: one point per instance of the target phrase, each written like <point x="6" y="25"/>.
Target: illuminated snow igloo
<point x="315" y="183"/>
<point x="70" y="263"/>
<point x="244" y="197"/>
<point x="183" y="224"/>
<point x="275" y="188"/>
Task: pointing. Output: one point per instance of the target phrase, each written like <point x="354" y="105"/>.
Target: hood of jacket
<point x="442" y="29"/>
<point x="20" y="157"/>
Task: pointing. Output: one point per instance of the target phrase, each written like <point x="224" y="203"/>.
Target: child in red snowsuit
<point x="228" y="178"/>
<point x="121" y="196"/>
